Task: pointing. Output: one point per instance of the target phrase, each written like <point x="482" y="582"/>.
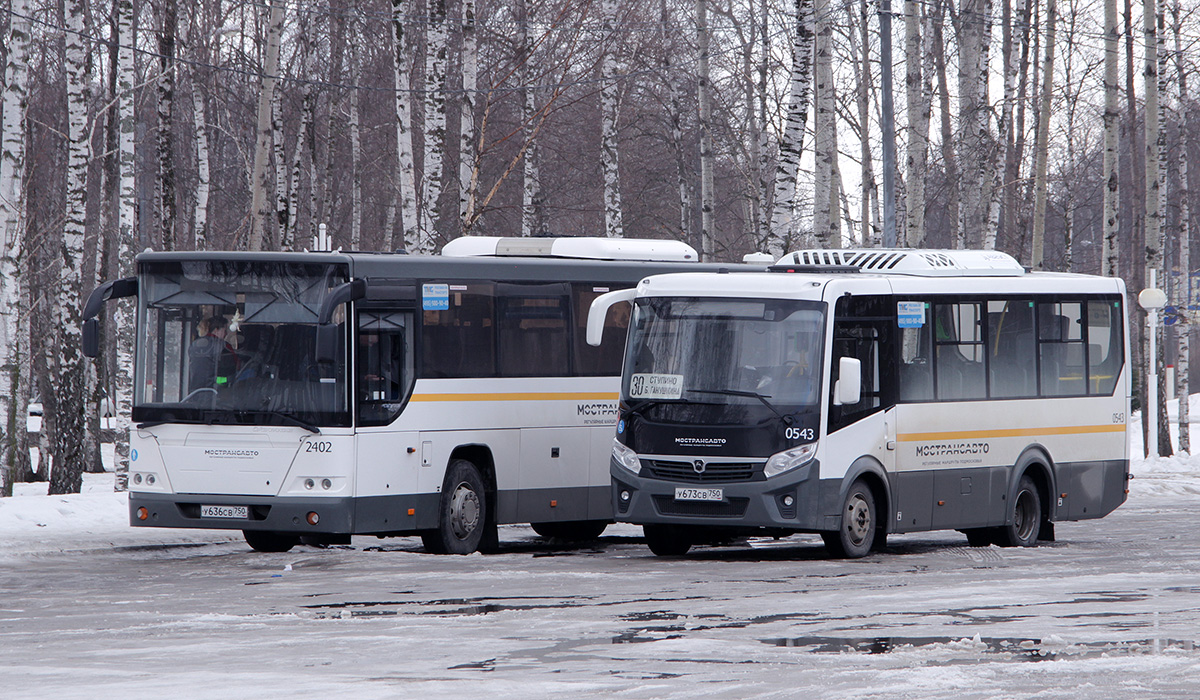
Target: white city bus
<point x="860" y="393"/>
<point x="319" y="395"/>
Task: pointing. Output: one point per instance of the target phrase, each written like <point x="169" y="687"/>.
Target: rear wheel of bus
<point x="463" y="517"/>
<point x="262" y="541"/>
<point x="1025" y="518"/>
<point x="856" y="536"/>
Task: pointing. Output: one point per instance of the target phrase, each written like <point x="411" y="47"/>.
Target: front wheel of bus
<point x="462" y="512"/>
<point x="1025" y="518"/>
<point x="857" y="534"/>
<point x="667" y="540"/>
<point x="262" y="541"/>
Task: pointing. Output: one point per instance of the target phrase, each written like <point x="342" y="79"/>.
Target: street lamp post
<point x="1152" y="299"/>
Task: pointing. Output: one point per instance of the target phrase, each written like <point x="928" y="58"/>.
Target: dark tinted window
<point x="603" y="361"/>
<point x="459" y="339"/>
<point x="533" y="327"/>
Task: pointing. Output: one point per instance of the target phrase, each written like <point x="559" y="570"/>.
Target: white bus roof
<point x="582" y="247"/>
<point x="921" y="263"/>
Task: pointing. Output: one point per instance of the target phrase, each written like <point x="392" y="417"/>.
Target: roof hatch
<point x="921" y="263"/>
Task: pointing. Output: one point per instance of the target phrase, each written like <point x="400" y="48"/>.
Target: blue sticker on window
<point x="910" y="314"/>
<point x="435" y="297"/>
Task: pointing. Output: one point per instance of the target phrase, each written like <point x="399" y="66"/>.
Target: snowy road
<point x="1111" y="610"/>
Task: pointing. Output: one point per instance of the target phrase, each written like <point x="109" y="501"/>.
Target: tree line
<point x="1056" y="131"/>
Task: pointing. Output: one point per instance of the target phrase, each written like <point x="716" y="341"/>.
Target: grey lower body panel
<point x="554" y="505"/>
<point x="745" y="504"/>
<point x="341" y="516"/>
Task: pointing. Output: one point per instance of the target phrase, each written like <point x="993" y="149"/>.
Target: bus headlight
<point x="790" y="459"/>
<point x="626" y="457"/>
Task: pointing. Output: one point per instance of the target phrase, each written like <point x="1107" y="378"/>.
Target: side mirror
<point x="848" y="390"/>
<point x="599" y="309"/>
<point x="327" y="340"/>
<point x="91" y="338"/>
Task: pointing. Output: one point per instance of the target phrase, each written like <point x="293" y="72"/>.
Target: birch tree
<point x="704" y="98"/>
<point x="123" y="317"/>
<point x="791" y="143"/>
<point x="168" y="28"/>
<point x="825" y="209"/>
<point x="15" y="363"/>
<point x="261" y="179"/>
<point x="406" y="178"/>
<point x="435" y="124"/>
<point x="1043" y="140"/>
<point x="356" y="209"/>
<point x="532" y="205"/>
<point x="1184" y="300"/>
<point x="918" y="105"/>
<point x="609" y="115"/>
<point x="468" y="177"/>
<point x="70" y="381"/>
<point x="1110" y="248"/>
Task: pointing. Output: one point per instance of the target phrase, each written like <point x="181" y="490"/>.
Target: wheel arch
<point x="871" y="472"/>
<point x="481" y="456"/>
<point x="1035" y="461"/>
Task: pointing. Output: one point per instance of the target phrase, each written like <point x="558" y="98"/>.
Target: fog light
<point x="142" y="513"/>
<point x="326" y="484"/>
<point x="150" y="479"/>
<point x="312" y="518"/>
<point x="788" y="501"/>
<point x="625" y="496"/>
<point x="309" y="483"/>
<point x="137" y="478"/>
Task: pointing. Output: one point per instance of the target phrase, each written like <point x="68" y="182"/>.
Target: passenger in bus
<point x="212" y="360"/>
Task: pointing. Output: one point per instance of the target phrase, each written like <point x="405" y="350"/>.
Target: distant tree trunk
<point x="435" y="123"/>
<point x="356" y="209"/>
<point x="783" y="216"/>
<point x="532" y="212"/>
<point x="1184" y="300"/>
<point x="973" y="32"/>
<point x="70" y="380"/>
<point x="308" y="114"/>
<point x="867" y="172"/>
<point x="13" y="410"/>
<point x="825" y="209"/>
<point x="279" y="159"/>
<point x="200" y="125"/>
<point x="676" y="87"/>
<point x="949" y="157"/>
<point x="1004" y="127"/>
<point x="1110" y="246"/>
<point x="261" y="179"/>
<point x="1043" y="141"/>
<point x="468" y="176"/>
<point x="919" y="107"/>
<point x="406" y="178"/>
<point x="123" y="316"/>
<point x="609" y="114"/>
<point x="704" y="96"/>
<point x="762" y="139"/>
<point x="166" y="133"/>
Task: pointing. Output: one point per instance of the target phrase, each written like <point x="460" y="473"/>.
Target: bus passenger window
<point x="1061" y="348"/>
<point x="916" y="367"/>
<point x="1105" y="346"/>
<point x="1012" y="353"/>
<point x="532" y="327"/>
<point x="459" y="341"/>
<point x="384" y="364"/>
<point x="958" y="335"/>
<point x="603" y="361"/>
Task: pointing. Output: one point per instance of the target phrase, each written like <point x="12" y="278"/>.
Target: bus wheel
<point x="1025" y="517"/>
<point x="857" y="534"/>
<point x="462" y="513"/>
<point x="667" y="540"/>
<point x="575" y="531"/>
<point x="979" y="536"/>
<point x="262" y="541"/>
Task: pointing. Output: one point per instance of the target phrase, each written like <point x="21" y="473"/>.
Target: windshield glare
<point x="234" y="340"/>
<point x="725" y="351"/>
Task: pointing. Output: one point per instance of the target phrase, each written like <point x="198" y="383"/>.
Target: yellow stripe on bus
<point x="533" y="396"/>
<point x="1011" y="432"/>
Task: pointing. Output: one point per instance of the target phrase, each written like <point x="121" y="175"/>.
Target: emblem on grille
<point x="698" y="466"/>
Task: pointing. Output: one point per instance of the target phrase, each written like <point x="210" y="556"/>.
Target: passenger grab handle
<point x="599" y="310"/>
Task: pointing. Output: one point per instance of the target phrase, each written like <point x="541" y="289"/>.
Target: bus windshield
<point x="730" y="352"/>
<point x="233" y="342"/>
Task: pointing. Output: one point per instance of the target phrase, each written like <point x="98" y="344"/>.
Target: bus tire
<point x="667" y="540"/>
<point x="263" y="541"/>
<point x="462" y="512"/>
<point x="980" y="536"/>
<point x="856" y="536"/>
<point x="574" y="531"/>
<point x="1024" y="517"/>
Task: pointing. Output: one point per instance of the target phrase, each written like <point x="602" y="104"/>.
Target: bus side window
<point x="532" y="330"/>
<point x="1061" y="348"/>
<point x="459" y="341"/>
<point x="916" y="363"/>
<point x="603" y="361"/>
<point x="861" y="331"/>
<point x="1012" y="352"/>
<point x="1105" y="345"/>
<point x="958" y="335"/>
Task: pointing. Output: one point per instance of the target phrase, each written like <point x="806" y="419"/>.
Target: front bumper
<point x="745" y="503"/>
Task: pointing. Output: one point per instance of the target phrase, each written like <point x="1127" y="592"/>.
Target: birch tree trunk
<point x="919" y="106"/>
<point x="765" y="182"/>
<point x="1153" y="240"/>
<point x="356" y="211"/>
<point x="972" y="31"/>
<point x="1043" y="140"/>
<point x="1164" y="430"/>
<point x="676" y="86"/>
<point x="1004" y="127"/>
<point x="1183" y="330"/>
<point x="1110" y="242"/>
<point x="261" y="178"/>
<point x="704" y="97"/>
<point x="123" y="317"/>
<point x="825" y="209"/>
<point x="406" y="177"/>
<point x="435" y="123"/>
<point x="200" y="141"/>
<point x="308" y="114"/>
<point x="166" y="134"/>
<point x="863" y="77"/>
<point x="12" y="198"/>
<point x="532" y="213"/>
<point x="70" y="381"/>
<point x="279" y="159"/>
<point x="468" y="176"/>
<point x="609" y="115"/>
<point x="783" y="216"/>
<point x="949" y="157"/>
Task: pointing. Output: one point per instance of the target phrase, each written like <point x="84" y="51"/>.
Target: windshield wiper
<point x="646" y="403"/>
<point x="735" y="392"/>
<point x="293" y="420"/>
